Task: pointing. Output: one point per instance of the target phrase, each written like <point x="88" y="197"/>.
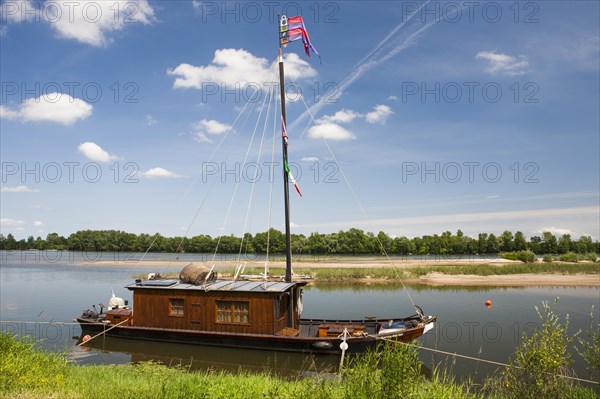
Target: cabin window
<point x="281" y="305"/>
<point x="233" y="312"/>
<point x="176" y="307"/>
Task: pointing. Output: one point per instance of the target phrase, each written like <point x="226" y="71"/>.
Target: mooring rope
<point x="102" y="333"/>
<point x="477" y="359"/>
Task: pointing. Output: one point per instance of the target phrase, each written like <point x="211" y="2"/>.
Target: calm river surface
<point x="55" y="287"/>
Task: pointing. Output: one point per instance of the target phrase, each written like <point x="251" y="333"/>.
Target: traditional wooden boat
<point x="245" y="313"/>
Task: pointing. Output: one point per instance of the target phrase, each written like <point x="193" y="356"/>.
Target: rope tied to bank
<point x="479" y="359"/>
<point x="103" y="332"/>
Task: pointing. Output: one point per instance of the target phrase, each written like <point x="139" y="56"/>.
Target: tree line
<point x="351" y="242"/>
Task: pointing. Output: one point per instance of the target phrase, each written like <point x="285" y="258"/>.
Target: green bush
<point x="541" y="361"/>
<point x="591" y="256"/>
<point x="523" y="256"/>
<point x="548" y="258"/>
<point x="568" y="257"/>
<point x="589" y="348"/>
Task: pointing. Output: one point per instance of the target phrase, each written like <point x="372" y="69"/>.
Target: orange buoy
<point x="488" y="304"/>
<point x="86" y="338"/>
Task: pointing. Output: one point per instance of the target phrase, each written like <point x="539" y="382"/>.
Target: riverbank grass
<point x="26" y="372"/>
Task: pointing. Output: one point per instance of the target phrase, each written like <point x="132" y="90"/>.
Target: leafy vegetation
<point x="589" y="347"/>
<point x="523" y="256"/>
<point x="568" y="257"/>
<point x="541" y="364"/>
<point x="391" y="273"/>
<point x="538" y="369"/>
<point x="29" y="373"/>
<point x="351" y="242"/>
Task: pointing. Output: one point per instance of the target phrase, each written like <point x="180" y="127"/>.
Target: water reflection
<point x="199" y="357"/>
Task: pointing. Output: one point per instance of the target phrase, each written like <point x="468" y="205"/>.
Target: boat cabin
<point x="223" y="306"/>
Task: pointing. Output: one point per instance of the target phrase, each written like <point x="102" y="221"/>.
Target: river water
<point x="56" y="287"/>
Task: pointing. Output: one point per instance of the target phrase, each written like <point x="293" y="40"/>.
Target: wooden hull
<point x="313" y="345"/>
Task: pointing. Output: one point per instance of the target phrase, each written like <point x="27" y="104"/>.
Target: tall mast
<point x="286" y="187"/>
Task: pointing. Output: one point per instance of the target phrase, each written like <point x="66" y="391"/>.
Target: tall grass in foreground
<point x="30" y="373"/>
<point x="536" y="371"/>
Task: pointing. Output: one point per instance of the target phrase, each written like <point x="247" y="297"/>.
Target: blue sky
<point x="482" y="116"/>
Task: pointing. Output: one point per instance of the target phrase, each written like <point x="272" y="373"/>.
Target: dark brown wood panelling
<point x="151" y="309"/>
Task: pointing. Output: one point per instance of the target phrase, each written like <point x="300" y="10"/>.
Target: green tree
<point x="493" y="244"/>
<point x="507" y="243"/>
<point x="403" y="246"/>
<point x="482" y="243"/>
<point x="520" y="242"/>
<point x="565" y="244"/>
<point x="10" y="243"/>
<point x="315" y="244"/>
<point x="535" y="244"/>
<point x="549" y="243"/>
<point x="384" y="240"/>
<point x="584" y="244"/>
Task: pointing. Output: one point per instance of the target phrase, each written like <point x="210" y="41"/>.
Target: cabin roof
<point x="218" y="285"/>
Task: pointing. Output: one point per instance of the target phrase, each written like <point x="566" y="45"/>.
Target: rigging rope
<point x="184" y="196"/>
<point x="258" y="157"/>
<point x="271" y="181"/>
<point x="237" y="184"/>
<point x="216" y="176"/>
<point x="363" y="210"/>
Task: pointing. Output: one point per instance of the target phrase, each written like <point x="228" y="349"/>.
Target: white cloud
<point x="86" y="21"/>
<point x="51" y="107"/>
<point x="557" y="230"/>
<point x="310" y="159"/>
<point x="8" y="222"/>
<point x="197" y="4"/>
<point x="330" y="131"/>
<point x="160" y="173"/>
<point x="7" y="113"/>
<point x="298" y="68"/>
<point x="583" y="218"/>
<point x="202" y="138"/>
<point x="37" y="223"/>
<point x="91" y="21"/>
<point x="229" y="66"/>
<point x="211" y="127"/>
<point x="500" y="63"/>
<point x="392" y="98"/>
<point x="380" y="114"/>
<point x="328" y="126"/>
<point x="236" y="68"/>
<point x="150" y="120"/>
<point x="94" y="152"/>
<point x="342" y="116"/>
<point x="19" y="189"/>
